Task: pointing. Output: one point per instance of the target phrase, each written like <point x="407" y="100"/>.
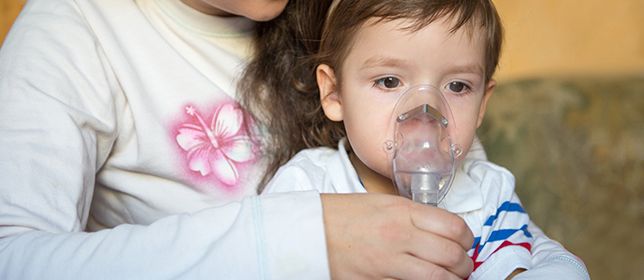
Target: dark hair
<point x="279" y="86"/>
<point x="349" y="15"/>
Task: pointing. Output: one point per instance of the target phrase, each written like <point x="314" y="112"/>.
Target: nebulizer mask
<point x="422" y="152"/>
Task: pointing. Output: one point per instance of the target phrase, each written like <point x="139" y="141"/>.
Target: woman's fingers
<point x="443" y="223"/>
<point x="374" y="236"/>
<point x="442" y="252"/>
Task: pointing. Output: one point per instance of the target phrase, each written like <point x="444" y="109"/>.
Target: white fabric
<point x="101" y="106"/>
<point x="482" y="194"/>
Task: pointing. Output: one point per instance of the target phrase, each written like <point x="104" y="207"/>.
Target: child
<point x="371" y="51"/>
<point x="124" y="154"/>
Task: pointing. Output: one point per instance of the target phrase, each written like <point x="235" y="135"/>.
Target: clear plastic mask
<point x="424" y="155"/>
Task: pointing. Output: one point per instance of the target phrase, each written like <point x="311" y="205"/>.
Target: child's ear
<point x="489" y="89"/>
<point x="329" y="97"/>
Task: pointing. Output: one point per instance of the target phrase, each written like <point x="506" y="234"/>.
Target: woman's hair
<point x="279" y="85"/>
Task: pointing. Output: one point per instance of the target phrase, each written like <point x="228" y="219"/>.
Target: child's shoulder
<point x="312" y="158"/>
<point x="480" y="169"/>
<point x="305" y="171"/>
<point x="494" y="181"/>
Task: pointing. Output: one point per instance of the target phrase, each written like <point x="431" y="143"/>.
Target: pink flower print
<point x="217" y="147"/>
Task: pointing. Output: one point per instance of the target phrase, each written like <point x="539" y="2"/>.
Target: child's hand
<point x="376" y="236"/>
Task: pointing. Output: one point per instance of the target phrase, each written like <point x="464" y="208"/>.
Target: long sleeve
<point x="550" y="260"/>
<point x="64" y="118"/>
<point x="504" y="243"/>
<point x="531" y="249"/>
<point x="253" y="239"/>
<point x="506" y="239"/>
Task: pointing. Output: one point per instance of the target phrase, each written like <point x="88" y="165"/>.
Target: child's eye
<point x="388" y="82"/>
<point x="458" y="87"/>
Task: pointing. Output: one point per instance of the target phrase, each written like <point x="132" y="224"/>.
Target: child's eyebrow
<point x="384" y="61"/>
<point x="466" y="68"/>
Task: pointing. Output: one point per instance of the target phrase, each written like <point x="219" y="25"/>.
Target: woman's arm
<point x="257" y="238"/>
<point x="59" y="110"/>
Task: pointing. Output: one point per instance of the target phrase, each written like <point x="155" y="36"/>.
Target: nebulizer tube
<point x="423" y="153"/>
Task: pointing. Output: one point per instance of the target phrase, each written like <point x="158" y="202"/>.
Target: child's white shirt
<point x="482" y="194"/>
<point x="107" y="108"/>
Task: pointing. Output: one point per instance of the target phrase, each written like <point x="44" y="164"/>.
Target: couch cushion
<point x="576" y="147"/>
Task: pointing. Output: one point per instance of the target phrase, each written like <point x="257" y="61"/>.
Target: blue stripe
<point x="476" y="242"/>
<point x="525" y="230"/>
<point x="505" y="207"/>
<point x="504" y="234"/>
<point x="501" y="234"/>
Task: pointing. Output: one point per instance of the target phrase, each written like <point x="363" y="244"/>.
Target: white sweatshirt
<point x="482" y="194"/>
<point x="123" y="153"/>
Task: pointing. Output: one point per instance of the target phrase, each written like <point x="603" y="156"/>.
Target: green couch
<point x="576" y="148"/>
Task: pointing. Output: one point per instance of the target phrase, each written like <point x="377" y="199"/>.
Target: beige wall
<point x="564" y="37"/>
<point x="9" y="9"/>
<point x="544" y="37"/>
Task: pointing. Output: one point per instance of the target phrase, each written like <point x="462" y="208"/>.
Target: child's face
<point x="384" y="61"/>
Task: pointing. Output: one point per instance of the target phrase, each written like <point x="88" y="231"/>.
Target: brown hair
<point x="349" y="15"/>
<point x="279" y="85"/>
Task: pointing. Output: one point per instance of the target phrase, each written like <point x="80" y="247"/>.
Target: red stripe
<point x="504" y="244"/>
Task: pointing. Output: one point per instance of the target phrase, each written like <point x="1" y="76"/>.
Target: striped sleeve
<point x="505" y="242"/>
<point x="504" y="237"/>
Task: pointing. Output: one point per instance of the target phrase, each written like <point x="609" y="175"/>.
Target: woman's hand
<point x="376" y="236"/>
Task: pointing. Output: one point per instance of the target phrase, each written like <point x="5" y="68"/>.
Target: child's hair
<point x="279" y="85"/>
